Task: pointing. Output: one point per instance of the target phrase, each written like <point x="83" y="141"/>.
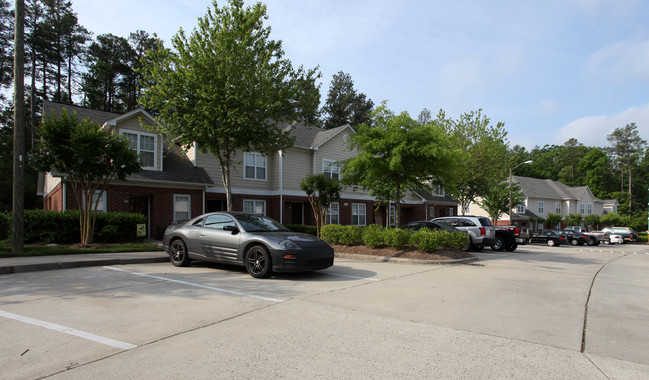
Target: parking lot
<point x="527" y="314"/>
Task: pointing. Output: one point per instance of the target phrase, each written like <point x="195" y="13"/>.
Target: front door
<point x="297" y="213"/>
<point x="140" y="204"/>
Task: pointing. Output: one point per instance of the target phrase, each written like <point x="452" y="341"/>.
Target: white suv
<point x="479" y="228"/>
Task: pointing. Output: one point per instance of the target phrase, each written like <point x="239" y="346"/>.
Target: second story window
<point x="590" y="208"/>
<point x="254" y="166"/>
<point x="582" y="208"/>
<point x="557" y="207"/>
<point x="331" y="169"/>
<point x="144" y="144"/>
<point x="541" y="207"/>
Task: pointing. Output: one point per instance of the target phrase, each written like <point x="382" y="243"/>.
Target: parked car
<point x="594" y="237"/>
<point x="259" y="243"/>
<point x="628" y="233"/>
<point x="574" y="237"/>
<point x="549" y="237"/>
<point x="415" y="226"/>
<point x="509" y="237"/>
<point x="479" y="228"/>
<point x="615" y="239"/>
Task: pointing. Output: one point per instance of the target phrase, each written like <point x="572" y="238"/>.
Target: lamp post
<point x="510" y="188"/>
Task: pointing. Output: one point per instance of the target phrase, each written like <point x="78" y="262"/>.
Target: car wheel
<point x="258" y="262"/>
<point x="512" y="247"/>
<point x="574" y="242"/>
<point x="592" y="241"/>
<point x="550" y="243"/>
<point x="467" y="246"/>
<point x="499" y="245"/>
<point x="178" y="253"/>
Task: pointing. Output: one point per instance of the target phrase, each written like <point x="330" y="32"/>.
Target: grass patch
<point x="44" y="250"/>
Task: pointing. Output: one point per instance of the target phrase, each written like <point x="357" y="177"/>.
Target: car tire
<point x="258" y="262"/>
<point x="550" y="243"/>
<point x="511" y="248"/>
<point x="467" y="246"/>
<point x="574" y="242"/>
<point x="499" y="245"/>
<point x="178" y="253"/>
<point x="592" y="241"/>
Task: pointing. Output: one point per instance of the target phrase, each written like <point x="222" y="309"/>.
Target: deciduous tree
<point x="496" y="200"/>
<point x="321" y="191"/>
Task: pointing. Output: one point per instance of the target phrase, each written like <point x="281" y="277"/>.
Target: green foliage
<point x="87" y="155"/>
<point x="428" y="241"/>
<point x="610" y="219"/>
<point x="396" y="237"/>
<point x="5" y="225"/>
<point x="311" y="230"/>
<point x="226" y="86"/>
<point x="397" y="155"/>
<point x="344" y="105"/>
<point x="496" y="200"/>
<point x="351" y="235"/>
<point x="331" y="233"/>
<point x="573" y="219"/>
<point x="553" y="219"/>
<point x="63" y="227"/>
<point x="320" y="191"/>
<point x="482" y="162"/>
<point x="592" y="220"/>
<point x="374" y="236"/>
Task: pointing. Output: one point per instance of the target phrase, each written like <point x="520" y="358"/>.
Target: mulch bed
<point x="407" y="253"/>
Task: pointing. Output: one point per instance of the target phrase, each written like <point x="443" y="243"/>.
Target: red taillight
<point x="483" y="231"/>
<point x="517" y="231"/>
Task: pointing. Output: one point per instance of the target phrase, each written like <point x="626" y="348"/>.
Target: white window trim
<point x="189" y="205"/>
<point x="355" y="207"/>
<point x="330" y="213"/>
<point x="255" y="202"/>
<point x="155" y="146"/>
<point x="590" y="209"/>
<point x="393" y="216"/>
<point x="439" y="191"/>
<point x="327" y="165"/>
<point x="520" y="209"/>
<point x="582" y="208"/>
<point x="255" y="155"/>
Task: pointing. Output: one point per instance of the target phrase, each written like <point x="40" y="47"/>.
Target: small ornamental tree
<point x="321" y="191"/>
<point x="496" y="201"/>
<point x="574" y="219"/>
<point x="553" y="219"/>
<point x="88" y="156"/>
<point x="592" y="221"/>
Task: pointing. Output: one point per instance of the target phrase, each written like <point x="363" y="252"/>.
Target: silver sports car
<point x="259" y="243"/>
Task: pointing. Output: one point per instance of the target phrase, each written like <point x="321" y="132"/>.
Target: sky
<point x="550" y="70"/>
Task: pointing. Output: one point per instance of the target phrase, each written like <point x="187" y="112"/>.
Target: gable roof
<point x="83" y="113"/>
<point x="547" y="188"/>
<point x="310" y="137"/>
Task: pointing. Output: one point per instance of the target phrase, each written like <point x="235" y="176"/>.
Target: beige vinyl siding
<point x="298" y="163"/>
<point x="212" y="166"/>
<point x="50" y="183"/>
<point x="133" y="124"/>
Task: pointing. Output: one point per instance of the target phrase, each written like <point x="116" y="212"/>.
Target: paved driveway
<point x="527" y="314"/>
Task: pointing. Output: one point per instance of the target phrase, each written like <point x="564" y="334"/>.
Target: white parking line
<point x="347" y="275"/>
<point x="197" y="285"/>
<point x="69" y="331"/>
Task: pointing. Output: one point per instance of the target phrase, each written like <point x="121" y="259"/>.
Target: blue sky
<point x="550" y="70"/>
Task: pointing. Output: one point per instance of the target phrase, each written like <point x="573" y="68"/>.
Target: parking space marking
<point x="196" y="285"/>
<point x="68" y="330"/>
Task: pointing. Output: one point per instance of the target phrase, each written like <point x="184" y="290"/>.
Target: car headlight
<point x="288" y="244"/>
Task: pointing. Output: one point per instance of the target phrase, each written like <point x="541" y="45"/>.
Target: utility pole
<point x="19" y="130"/>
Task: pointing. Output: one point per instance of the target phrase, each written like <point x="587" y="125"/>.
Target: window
<point x="217" y="222"/>
<point x="557" y="207"/>
<point x="182" y="207"/>
<point x="254" y="166"/>
<point x="541" y="207"/>
<point x="331" y="169"/>
<point x="438" y="191"/>
<point x="254" y="207"/>
<point x="467" y="210"/>
<point x="520" y="209"/>
<point x="101" y="206"/>
<point x="393" y="216"/>
<point x="145" y="146"/>
<point x="451" y="211"/>
<point x="333" y="216"/>
<point x="590" y="208"/>
<point x="358" y="214"/>
<point x="581" y="209"/>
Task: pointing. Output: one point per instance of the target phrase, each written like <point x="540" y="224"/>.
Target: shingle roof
<point x="99" y="117"/>
<point x="428" y="196"/>
<point x="549" y="189"/>
<point x="307" y="136"/>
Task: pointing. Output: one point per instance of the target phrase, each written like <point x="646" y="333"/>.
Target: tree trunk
<point x="629" y="191"/>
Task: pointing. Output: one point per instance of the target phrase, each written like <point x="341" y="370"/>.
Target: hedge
<point x="63" y="227"/>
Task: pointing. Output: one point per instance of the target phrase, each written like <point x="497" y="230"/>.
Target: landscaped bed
<point x="406" y="253"/>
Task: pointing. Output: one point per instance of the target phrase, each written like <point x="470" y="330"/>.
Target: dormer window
<point x="145" y="146"/>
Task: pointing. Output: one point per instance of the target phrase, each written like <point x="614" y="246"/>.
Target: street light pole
<point x="511" y="170"/>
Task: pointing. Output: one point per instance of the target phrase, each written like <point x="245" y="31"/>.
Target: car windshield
<point x="258" y="223"/>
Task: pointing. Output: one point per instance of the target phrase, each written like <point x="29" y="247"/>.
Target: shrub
<point x="351" y="235"/>
<point x="374" y="236"/>
<point x="312" y="230"/>
<point x="331" y="233"/>
<point x="397" y="238"/>
<point x="108" y="234"/>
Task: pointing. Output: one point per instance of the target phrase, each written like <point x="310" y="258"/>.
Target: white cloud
<point x="621" y="62"/>
<point x="592" y="130"/>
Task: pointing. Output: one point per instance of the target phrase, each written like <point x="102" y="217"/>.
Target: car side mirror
<point x="232" y="229"/>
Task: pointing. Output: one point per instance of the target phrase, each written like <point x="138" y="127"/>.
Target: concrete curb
<point x="400" y="260"/>
<point x="22" y="268"/>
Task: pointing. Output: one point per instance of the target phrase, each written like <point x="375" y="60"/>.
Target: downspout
<point x="65" y="195"/>
<point x="281" y="187"/>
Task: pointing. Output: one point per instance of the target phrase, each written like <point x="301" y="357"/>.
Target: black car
<point x="549" y="237"/>
<point x="259" y="243"/>
<point x="574" y="237"/>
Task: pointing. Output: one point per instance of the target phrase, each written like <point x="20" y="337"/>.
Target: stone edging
<point x="401" y="260"/>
